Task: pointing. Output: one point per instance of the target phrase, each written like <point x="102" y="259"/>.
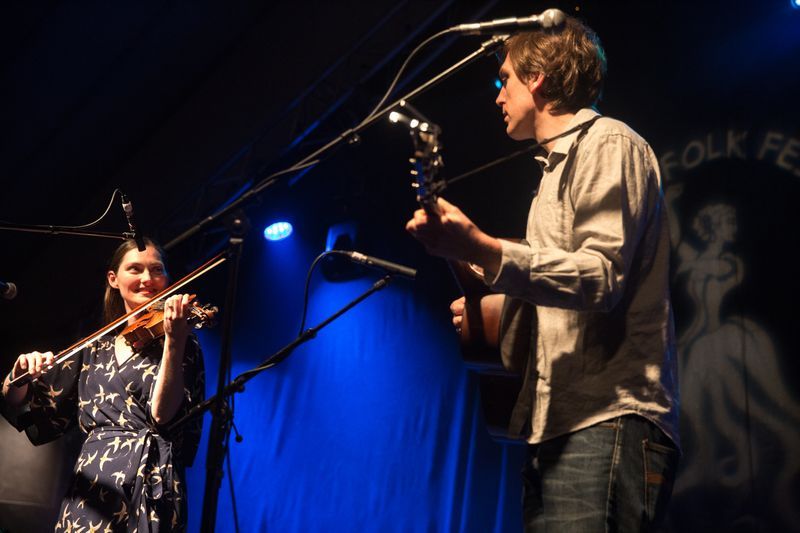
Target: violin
<point x="143" y="309"/>
<point x="150" y="325"/>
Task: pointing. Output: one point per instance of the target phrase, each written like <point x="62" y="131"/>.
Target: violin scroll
<point x="204" y="316"/>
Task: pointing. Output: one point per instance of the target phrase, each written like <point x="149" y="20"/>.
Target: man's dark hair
<point x="571" y="59"/>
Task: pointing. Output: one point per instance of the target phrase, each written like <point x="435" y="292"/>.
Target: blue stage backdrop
<point x="374" y="426"/>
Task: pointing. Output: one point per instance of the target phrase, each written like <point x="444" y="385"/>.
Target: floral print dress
<point x="129" y="474"/>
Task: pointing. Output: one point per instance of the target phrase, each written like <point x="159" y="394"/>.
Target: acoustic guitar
<point x="480" y="328"/>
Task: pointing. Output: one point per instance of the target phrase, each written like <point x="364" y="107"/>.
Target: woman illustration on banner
<point x="130" y="471"/>
<point x="731" y="389"/>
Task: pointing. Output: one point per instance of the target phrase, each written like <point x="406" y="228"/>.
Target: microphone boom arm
<point x="487" y="47"/>
<point x="61" y="230"/>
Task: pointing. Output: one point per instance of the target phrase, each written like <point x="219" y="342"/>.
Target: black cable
<point x="263" y="183"/>
<point x="308" y="281"/>
<point x="403" y="67"/>
<point x="308" y="161"/>
<point x="83" y="226"/>
<point x="314" y="264"/>
<point x="237" y="385"/>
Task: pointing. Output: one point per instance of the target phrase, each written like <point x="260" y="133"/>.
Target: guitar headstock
<point x="427" y="159"/>
<point x="426" y="163"/>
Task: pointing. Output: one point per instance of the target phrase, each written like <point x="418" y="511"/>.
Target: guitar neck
<point x="429" y="205"/>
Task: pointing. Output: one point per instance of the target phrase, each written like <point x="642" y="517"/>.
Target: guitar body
<point x="480" y="348"/>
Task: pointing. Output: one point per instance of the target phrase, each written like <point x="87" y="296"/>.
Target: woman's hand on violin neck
<point x="176" y="311"/>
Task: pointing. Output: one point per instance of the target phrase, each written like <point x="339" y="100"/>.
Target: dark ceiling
<point x="183" y="105"/>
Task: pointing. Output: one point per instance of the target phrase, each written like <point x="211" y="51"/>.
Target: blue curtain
<point x="375" y="425"/>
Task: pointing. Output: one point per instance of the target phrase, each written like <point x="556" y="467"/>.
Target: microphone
<point x="8" y="290"/>
<point x="552" y="18"/>
<point x="387" y="266"/>
<point x="127" y="206"/>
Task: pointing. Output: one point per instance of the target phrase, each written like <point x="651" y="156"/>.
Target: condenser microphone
<point x="551" y="18"/>
<point x="387" y="266"/>
<point x="127" y="206"/>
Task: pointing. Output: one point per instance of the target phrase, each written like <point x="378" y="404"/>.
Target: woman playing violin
<point x="129" y="473"/>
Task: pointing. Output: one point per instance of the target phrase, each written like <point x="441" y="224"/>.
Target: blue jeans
<point x="613" y="476"/>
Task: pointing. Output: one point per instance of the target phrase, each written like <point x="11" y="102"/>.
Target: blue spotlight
<point x="795" y="3"/>
<point x="277" y="231"/>
<point x="498" y="83"/>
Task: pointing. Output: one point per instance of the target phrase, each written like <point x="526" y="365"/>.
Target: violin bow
<point x="65" y="354"/>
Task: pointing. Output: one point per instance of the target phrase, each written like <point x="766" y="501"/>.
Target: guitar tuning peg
<point x="412" y="160"/>
<point x="414" y="172"/>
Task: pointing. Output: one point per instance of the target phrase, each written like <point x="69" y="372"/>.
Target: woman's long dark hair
<point x="113" y="305"/>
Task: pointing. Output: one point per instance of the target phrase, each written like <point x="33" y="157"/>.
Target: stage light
<point x="498" y="83"/>
<point x="795" y="3"/>
<point x="278" y="231"/>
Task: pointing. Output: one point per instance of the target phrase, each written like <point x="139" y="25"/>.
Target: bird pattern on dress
<point x="128" y="476"/>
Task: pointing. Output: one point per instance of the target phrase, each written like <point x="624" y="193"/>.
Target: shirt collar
<point x="563" y="145"/>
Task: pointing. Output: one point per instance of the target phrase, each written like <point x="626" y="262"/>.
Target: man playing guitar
<point x="586" y="313"/>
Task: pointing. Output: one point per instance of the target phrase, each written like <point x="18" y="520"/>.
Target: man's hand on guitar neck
<point x="452" y="235"/>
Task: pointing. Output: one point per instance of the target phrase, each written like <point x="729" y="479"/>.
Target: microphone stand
<point x="220" y="419"/>
<point x="220" y="416"/>
<point x="350" y="136"/>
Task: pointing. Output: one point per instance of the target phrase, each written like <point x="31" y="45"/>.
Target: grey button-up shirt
<point x="600" y="336"/>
